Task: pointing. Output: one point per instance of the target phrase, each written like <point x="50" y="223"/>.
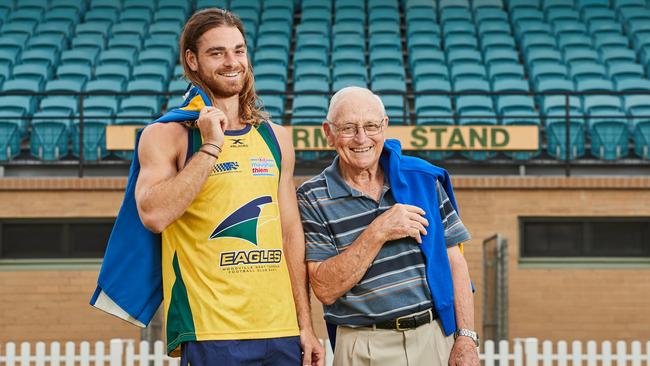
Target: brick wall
<point x="549" y="303"/>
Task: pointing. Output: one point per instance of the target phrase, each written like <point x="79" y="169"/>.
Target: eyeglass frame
<point x="362" y="126"/>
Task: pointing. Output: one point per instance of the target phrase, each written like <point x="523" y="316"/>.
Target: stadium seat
<point x="50" y="135"/>
<point x="11" y="132"/>
<point x="505" y="71"/>
<point x="121" y="73"/>
<point x="609" y="135"/>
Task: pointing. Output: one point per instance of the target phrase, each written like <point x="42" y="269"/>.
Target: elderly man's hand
<point x="401" y="221"/>
<point x="464" y="353"/>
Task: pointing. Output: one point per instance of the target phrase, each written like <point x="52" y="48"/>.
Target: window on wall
<point x="585" y="237"/>
<point x="54" y="238"/>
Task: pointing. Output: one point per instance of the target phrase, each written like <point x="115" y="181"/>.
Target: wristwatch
<point x="467" y="333"/>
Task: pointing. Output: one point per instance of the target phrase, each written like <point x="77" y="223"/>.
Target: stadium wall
<point x="49" y="301"/>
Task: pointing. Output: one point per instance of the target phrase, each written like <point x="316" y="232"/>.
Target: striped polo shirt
<point x="334" y="215"/>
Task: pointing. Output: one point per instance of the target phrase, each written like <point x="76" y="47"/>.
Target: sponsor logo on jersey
<point x="262" y="167"/>
<point x="237" y="142"/>
<point x="225" y="167"/>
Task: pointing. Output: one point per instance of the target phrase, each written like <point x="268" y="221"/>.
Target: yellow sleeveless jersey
<point x="224" y="270"/>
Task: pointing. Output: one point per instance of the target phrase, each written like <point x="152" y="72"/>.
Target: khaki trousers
<point x="423" y="346"/>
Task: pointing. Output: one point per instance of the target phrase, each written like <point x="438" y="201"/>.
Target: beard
<point x="220" y="87"/>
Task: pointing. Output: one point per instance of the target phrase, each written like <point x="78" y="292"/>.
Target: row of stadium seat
<point x="457" y="45"/>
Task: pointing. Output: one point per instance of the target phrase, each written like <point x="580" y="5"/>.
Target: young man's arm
<point x="162" y="192"/>
<point x="293" y="242"/>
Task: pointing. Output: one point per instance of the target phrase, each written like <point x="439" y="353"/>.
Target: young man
<point x="234" y="277"/>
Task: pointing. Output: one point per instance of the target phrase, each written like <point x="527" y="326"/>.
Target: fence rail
<point x="520" y="352"/>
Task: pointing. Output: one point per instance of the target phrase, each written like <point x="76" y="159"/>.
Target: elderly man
<point x="391" y="275"/>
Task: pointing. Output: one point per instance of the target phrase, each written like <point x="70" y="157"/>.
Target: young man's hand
<point x="313" y="352"/>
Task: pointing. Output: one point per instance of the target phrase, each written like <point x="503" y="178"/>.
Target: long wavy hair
<point x="202" y="21"/>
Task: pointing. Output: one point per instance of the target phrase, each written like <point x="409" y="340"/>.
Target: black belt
<point x="407" y="322"/>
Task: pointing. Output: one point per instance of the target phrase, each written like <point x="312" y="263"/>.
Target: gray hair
<point x="339" y="95"/>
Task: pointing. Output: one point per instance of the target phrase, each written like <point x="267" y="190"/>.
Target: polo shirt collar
<point x="336" y="185"/>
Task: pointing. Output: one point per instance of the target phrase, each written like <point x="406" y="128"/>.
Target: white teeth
<point x="361" y="150"/>
<point x="230" y="75"/>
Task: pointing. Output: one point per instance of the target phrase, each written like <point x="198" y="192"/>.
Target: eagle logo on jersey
<point x="242" y="223"/>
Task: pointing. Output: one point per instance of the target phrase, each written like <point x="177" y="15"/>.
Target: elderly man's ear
<point x="328" y="133"/>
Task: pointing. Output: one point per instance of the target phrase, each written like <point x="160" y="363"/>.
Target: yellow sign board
<point x="434" y="137"/>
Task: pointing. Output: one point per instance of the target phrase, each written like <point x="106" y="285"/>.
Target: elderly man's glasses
<point x="351" y="129"/>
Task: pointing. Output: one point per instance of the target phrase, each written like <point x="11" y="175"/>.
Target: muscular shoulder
<point x="160" y="132"/>
<point x="281" y="133"/>
<point x="166" y="139"/>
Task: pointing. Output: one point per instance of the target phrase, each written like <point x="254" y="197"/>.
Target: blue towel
<point x="413" y="182"/>
<point x="130" y="280"/>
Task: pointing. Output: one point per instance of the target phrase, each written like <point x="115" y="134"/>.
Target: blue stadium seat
<point x="571" y="55"/>
<point x="489" y="28"/>
<point x="526" y="14"/>
<point x="466" y="71"/>
<point x="505" y="71"/>
<point x="10" y="134"/>
<point x="29" y="71"/>
<point x="116" y="57"/>
<point x="105" y="85"/>
<point x="587" y="70"/>
<point x="594" y="84"/>
<point x="353" y="43"/>
<point x="50" y="135"/>
<point x="394" y="106"/>
<point x="178" y="86"/>
<point x="497" y="42"/>
<point x="427" y="56"/>
<point x="422" y="27"/>
<point x="519" y="85"/>
<point x="490" y="14"/>
<point x="272" y="71"/>
<point x="385" y="42"/>
<point x="158" y="58"/>
<point x="167" y="43"/>
<point x="276" y="56"/>
<point x="612" y="54"/>
<point x="348" y="29"/>
<point x="310" y="42"/>
<point x="94" y="138"/>
<point x="127" y="42"/>
<point x="458" y="27"/>
<point x="383" y="27"/>
<point x="385" y="57"/>
<point x="303" y="29"/>
<point x="432" y="83"/>
<point x="630" y="84"/>
<point x="309" y="109"/>
<point x="638" y="106"/>
<point x="88" y="42"/>
<point x="442" y="4"/>
<point x="565" y="41"/>
<point x="311" y="84"/>
<point x="420" y="14"/>
<point x="535" y="42"/>
<point x="461" y="41"/>
<point x="383" y="14"/>
<point x="49" y="43"/>
<point x="625" y="70"/>
<point x="609" y="135"/>
<point x="500" y="56"/>
<point x="313" y="72"/>
<point x="121" y="73"/>
<point x="349" y="75"/>
<point x="451" y="14"/>
<point x="168" y="13"/>
<point x="61" y="103"/>
<point x="280" y="28"/>
<point x="151" y="72"/>
<point x="433" y="110"/>
<point x="547" y="71"/>
<point x="463" y="56"/>
<point x="553" y="15"/>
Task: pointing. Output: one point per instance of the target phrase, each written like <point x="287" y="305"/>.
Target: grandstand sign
<point x="435" y="137"/>
<point x="508" y="138"/>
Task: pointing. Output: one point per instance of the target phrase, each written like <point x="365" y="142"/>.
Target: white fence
<point x="526" y="352"/>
